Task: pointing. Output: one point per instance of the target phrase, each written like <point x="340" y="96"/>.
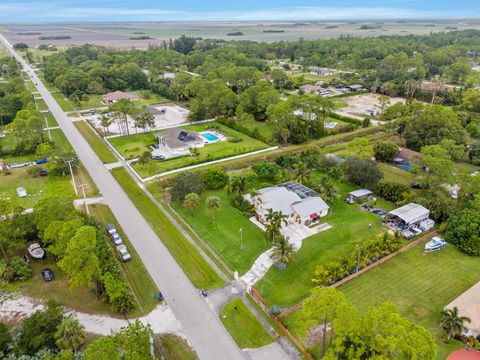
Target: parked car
<point x="116" y="239"/>
<point x="21" y="192"/>
<point x="111" y="229"/>
<point x="158" y="157"/>
<point x="156" y="146"/>
<point x="124" y="254"/>
<point x="454" y="194"/>
<point x="47" y="274"/>
<point x="380" y="212"/>
<point x="43" y="172"/>
<point x="415" y="185"/>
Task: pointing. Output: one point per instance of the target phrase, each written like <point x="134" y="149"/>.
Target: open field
<point x="134" y="271"/>
<point x="95" y="142"/>
<point x="133" y="146"/>
<point x="349" y="228"/>
<point x="245" y="329"/>
<point x="395" y="174"/>
<point x="224" y="238"/>
<point x="358" y="105"/>
<point x="195" y="267"/>
<point x="421" y="285"/>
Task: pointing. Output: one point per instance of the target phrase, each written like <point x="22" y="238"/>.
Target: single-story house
<point x="353" y="196"/>
<point x="322" y="71"/>
<point x="178" y="139"/>
<point x="115" y="96"/>
<point x="406" y="156"/>
<point x="310" y="89"/>
<point x="468" y="305"/>
<point x="169" y="76"/>
<point x="408" y="215"/>
<point x="298" y="209"/>
<point x="355" y="87"/>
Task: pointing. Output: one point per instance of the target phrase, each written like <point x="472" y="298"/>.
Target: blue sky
<point x="178" y="10"/>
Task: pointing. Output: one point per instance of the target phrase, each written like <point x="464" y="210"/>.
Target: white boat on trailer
<point x="36" y="251"/>
<point x="435" y="244"/>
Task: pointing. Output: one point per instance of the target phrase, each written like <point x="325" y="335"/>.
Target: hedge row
<point x="346" y="119"/>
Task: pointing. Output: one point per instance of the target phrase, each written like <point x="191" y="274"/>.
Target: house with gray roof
<point x="178" y="139"/>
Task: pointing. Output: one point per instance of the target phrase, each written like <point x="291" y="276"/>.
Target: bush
<point x="361" y="172"/>
<point x="384" y="151"/>
<point x="463" y="230"/>
<point x="391" y="191"/>
<point x="17" y="270"/>
<point x="214" y="179"/>
<point x="118" y="293"/>
<point x="266" y="170"/>
<point x="243" y="205"/>
<point x="345" y="119"/>
<point x="185" y="183"/>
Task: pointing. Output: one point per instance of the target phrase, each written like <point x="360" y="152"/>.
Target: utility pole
<point x="85" y="198"/>
<point x="71" y="173"/>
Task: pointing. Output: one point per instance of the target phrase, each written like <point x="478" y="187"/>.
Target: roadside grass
<point x="224" y="236"/>
<point x="30" y="86"/>
<point x="95" y="142"/>
<point x="395" y="174"/>
<point x="50" y="119"/>
<point x="421" y="286"/>
<point x="174" y="348"/>
<point x="41" y="104"/>
<point x="349" y="228"/>
<point x="133" y="146"/>
<point x="193" y="264"/>
<point x="61" y="100"/>
<point x="244" y="327"/>
<point x="135" y="272"/>
<point x="81" y="298"/>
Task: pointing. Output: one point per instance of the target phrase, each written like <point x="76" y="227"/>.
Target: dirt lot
<point x="357" y="106"/>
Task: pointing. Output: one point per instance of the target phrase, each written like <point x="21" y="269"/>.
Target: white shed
<point x="410" y="214"/>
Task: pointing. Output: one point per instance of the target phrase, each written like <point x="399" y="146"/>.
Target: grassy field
<point x="224" y="238"/>
<point x="135" y="273"/>
<point x="41" y="104"/>
<point x="395" y="174"/>
<point x="174" y="348"/>
<point x="192" y="263"/>
<point x="245" y="329"/>
<point x="134" y="145"/>
<point x="50" y="119"/>
<point x="95" y="142"/>
<point x="61" y="100"/>
<point x="421" y="285"/>
<point x="349" y="228"/>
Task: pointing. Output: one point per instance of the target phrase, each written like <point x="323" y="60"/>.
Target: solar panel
<point x="299" y="189"/>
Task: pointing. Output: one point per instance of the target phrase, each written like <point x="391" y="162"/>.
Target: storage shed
<point x="409" y="214"/>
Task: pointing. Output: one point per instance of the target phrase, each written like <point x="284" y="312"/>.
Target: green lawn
<point x="395" y="174"/>
<point x="41" y="104"/>
<point x="224" y="238"/>
<point x="174" y="348"/>
<point x="135" y="273"/>
<point x="93" y="102"/>
<point x="61" y="100"/>
<point x="134" y="145"/>
<point x="187" y="256"/>
<point x="244" y="327"/>
<point x="263" y="127"/>
<point x="95" y="142"/>
<point x="421" y="285"/>
<point x="465" y="167"/>
<point x="50" y="119"/>
<point x="349" y="227"/>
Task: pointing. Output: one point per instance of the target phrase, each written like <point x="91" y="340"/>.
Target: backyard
<point x="350" y="226"/>
<point x="133" y="146"/>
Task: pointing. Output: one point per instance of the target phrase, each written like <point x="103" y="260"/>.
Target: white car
<point x="111" y="229"/>
<point x="124" y="254"/>
<point x="116" y="239"/>
<point x="21" y="192"/>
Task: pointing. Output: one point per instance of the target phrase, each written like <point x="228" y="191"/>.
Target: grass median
<point x="95" y="142"/>
<point x="187" y="256"/>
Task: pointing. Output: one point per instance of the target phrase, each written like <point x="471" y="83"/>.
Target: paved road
<point x="198" y="322"/>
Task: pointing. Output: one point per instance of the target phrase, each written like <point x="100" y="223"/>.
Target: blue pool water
<point x="405" y="167"/>
<point x="210" y="136"/>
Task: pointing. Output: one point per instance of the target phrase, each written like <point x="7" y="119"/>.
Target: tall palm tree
<point x="70" y="334"/>
<point x="191" y="202"/>
<point x="452" y="322"/>
<point x="237" y="185"/>
<point x="283" y="249"/>
<point x="274" y="221"/>
<point x="302" y="172"/>
<point x="213" y="205"/>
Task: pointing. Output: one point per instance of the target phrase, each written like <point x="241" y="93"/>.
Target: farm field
<point x="349" y="228"/>
<point x="133" y="146"/>
<point x="224" y="238"/>
<point x="245" y="329"/>
<point x="421" y="285"/>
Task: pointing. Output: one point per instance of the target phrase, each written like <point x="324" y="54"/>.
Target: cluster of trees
<point x="49" y="334"/>
<point x="380" y="333"/>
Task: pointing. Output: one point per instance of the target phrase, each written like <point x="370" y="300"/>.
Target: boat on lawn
<point x="36" y="251"/>
<point x="435" y="244"/>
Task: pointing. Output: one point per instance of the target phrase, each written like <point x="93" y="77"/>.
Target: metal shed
<point x="410" y="214"/>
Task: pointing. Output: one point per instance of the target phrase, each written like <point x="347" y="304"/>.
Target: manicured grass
<point x="224" y="238"/>
<point x="134" y="145"/>
<point x="465" y="167"/>
<point x="395" y="174"/>
<point x="61" y="100"/>
<point x="94" y="101"/>
<point x="135" y="273"/>
<point x="81" y="299"/>
<point x="30" y="86"/>
<point x="174" y="347"/>
<point x="421" y="286"/>
<point x="349" y="228"/>
<point x="193" y="264"/>
<point x="95" y="142"/>
<point x="50" y="119"/>
<point x="41" y="104"/>
<point x="244" y="327"/>
<point x="263" y="127"/>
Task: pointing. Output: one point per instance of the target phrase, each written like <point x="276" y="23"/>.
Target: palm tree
<point x="327" y="189"/>
<point x="302" y="172"/>
<point x="452" y="322"/>
<point x="274" y="221"/>
<point x="191" y="202"/>
<point x="283" y="249"/>
<point x="237" y="185"/>
<point x="70" y="334"/>
<point x="105" y="121"/>
<point x="213" y="205"/>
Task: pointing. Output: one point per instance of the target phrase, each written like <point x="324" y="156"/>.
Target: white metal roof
<point x="278" y="198"/>
<point x="310" y="206"/>
<point x="360" y="192"/>
<point x="468" y="304"/>
<point x="411" y="213"/>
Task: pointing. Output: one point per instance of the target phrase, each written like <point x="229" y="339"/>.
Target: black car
<point x="158" y="157"/>
<point x="47" y="274"/>
<point x="415" y="185"/>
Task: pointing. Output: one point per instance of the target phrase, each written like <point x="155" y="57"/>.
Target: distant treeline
<point x="144" y="37"/>
<point x="138" y="32"/>
<point x="29" y="33"/>
<point x="54" y="37"/>
<point x="273" y="31"/>
<point x="236" y="33"/>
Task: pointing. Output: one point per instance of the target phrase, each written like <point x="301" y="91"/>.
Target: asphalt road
<point x="199" y="323"/>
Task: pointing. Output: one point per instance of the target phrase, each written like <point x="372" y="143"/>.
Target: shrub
<point x="17" y="270"/>
<point x="118" y="293"/>
<point x="463" y="230"/>
<point x="391" y="191"/>
<point x="185" y="183"/>
<point x="361" y="172"/>
<point x="243" y="205"/>
<point x="384" y="151"/>
<point x="214" y="179"/>
<point x="266" y="170"/>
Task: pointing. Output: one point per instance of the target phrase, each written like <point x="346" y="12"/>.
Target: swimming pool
<point x="405" y="167"/>
<point x="210" y="137"/>
<point x="330" y="124"/>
